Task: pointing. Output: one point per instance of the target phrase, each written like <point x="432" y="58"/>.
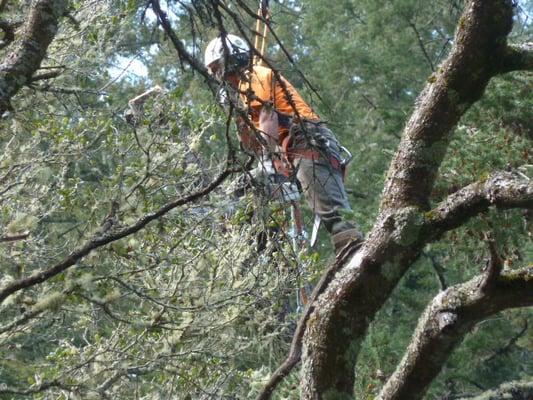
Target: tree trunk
<point x="342" y="314"/>
<point x="21" y="63"/>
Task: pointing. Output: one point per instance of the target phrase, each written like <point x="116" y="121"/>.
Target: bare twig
<point x="439" y="270"/>
<point x="178" y="45"/>
<point x="421" y="44"/>
<point x="505" y="349"/>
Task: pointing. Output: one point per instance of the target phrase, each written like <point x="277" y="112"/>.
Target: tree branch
<point x="99" y="241"/>
<point x="517" y="57"/>
<point x="480" y="42"/>
<point x="495" y="264"/>
<point x="36" y="389"/>
<point x="295" y="352"/>
<point x="8" y="27"/>
<point x="14" y="238"/>
<point x="501" y="189"/>
<point x="421" y="43"/>
<point x="183" y="54"/>
<point x="447" y="320"/>
<point x="362" y="286"/>
<point x="439" y="270"/>
<point x="45" y="75"/>
<point x="509" y="390"/>
<point x="39" y="30"/>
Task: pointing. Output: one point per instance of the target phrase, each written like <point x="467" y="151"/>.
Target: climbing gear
<point x="309" y="143"/>
<point x="226" y="54"/>
<point x="314" y="233"/>
<point x="263" y="17"/>
<point x="275" y="186"/>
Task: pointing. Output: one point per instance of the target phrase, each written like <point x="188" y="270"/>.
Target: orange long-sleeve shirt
<point x="261" y="84"/>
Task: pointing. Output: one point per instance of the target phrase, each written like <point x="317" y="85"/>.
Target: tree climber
<point x="285" y="129"/>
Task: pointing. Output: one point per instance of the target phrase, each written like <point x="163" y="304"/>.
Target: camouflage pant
<point x="322" y="184"/>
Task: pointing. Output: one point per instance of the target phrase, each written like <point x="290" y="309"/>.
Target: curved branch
<point x="501" y="189"/>
<point x="102" y="240"/>
<point x="183" y="54"/>
<point x="480" y="43"/>
<point x="336" y="328"/>
<point x="33" y="390"/>
<point x="447" y="320"/>
<point x="39" y="30"/>
<point x="510" y="390"/>
<point x="518" y="57"/>
<point x="295" y="351"/>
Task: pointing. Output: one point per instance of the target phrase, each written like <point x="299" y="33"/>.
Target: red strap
<point x="289" y="155"/>
<point x="315" y="156"/>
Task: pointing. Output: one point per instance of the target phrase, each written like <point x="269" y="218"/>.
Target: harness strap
<point x="288" y="155"/>
<point x="315" y="155"/>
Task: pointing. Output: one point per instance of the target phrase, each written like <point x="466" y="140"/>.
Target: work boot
<point x="341" y="239"/>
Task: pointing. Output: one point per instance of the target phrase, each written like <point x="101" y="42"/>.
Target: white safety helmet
<point x="237" y="50"/>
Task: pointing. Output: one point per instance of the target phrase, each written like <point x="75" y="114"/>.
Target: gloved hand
<point x="257" y="177"/>
<point x="281" y="189"/>
<point x="272" y="185"/>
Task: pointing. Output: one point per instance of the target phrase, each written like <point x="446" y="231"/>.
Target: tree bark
<point x="342" y="314"/>
<point x="509" y="390"/>
<point x="518" y="57"/>
<point x="501" y="189"/>
<point x="446" y="321"/>
<point x="21" y="63"/>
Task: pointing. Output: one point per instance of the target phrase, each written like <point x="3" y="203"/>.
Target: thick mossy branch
<point x="28" y="52"/>
<point x="518" y="57"/>
<point x="501" y="190"/>
<point x="480" y="43"/>
<point x="447" y="320"/>
<point x="516" y="390"/>
<point x="343" y="313"/>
